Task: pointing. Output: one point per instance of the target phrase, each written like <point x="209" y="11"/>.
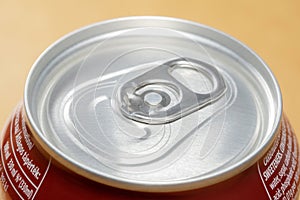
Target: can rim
<point x="144" y="186"/>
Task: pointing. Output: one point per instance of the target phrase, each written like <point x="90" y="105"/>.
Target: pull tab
<point x="156" y="97"/>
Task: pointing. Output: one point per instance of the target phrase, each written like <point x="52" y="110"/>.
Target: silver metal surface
<point x="156" y="97"/>
<point x="72" y="100"/>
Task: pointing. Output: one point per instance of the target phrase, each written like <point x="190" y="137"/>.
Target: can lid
<point x="152" y="104"/>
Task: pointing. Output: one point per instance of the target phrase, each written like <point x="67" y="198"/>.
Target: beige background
<point x="269" y="27"/>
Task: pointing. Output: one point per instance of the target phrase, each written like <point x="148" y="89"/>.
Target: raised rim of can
<point x="145" y="186"/>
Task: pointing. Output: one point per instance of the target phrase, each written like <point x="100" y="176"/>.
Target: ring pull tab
<point x="156" y="97"/>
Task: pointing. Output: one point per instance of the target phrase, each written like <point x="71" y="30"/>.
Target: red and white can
<point x="149" y="108"/>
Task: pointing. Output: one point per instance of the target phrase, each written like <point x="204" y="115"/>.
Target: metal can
<point x="149" y="108"/>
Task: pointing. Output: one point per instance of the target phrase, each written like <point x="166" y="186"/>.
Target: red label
<point x="279" y="170"/>
<point x="23" y="168"/>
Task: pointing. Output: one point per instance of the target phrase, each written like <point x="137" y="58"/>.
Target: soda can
<point x="149" y="108"/>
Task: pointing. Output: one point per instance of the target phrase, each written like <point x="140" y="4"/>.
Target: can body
<point x="27" y="173"/>
<point x="149" y="108"/>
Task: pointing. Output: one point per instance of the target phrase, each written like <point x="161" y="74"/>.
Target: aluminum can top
<point x="152" y="104"/>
